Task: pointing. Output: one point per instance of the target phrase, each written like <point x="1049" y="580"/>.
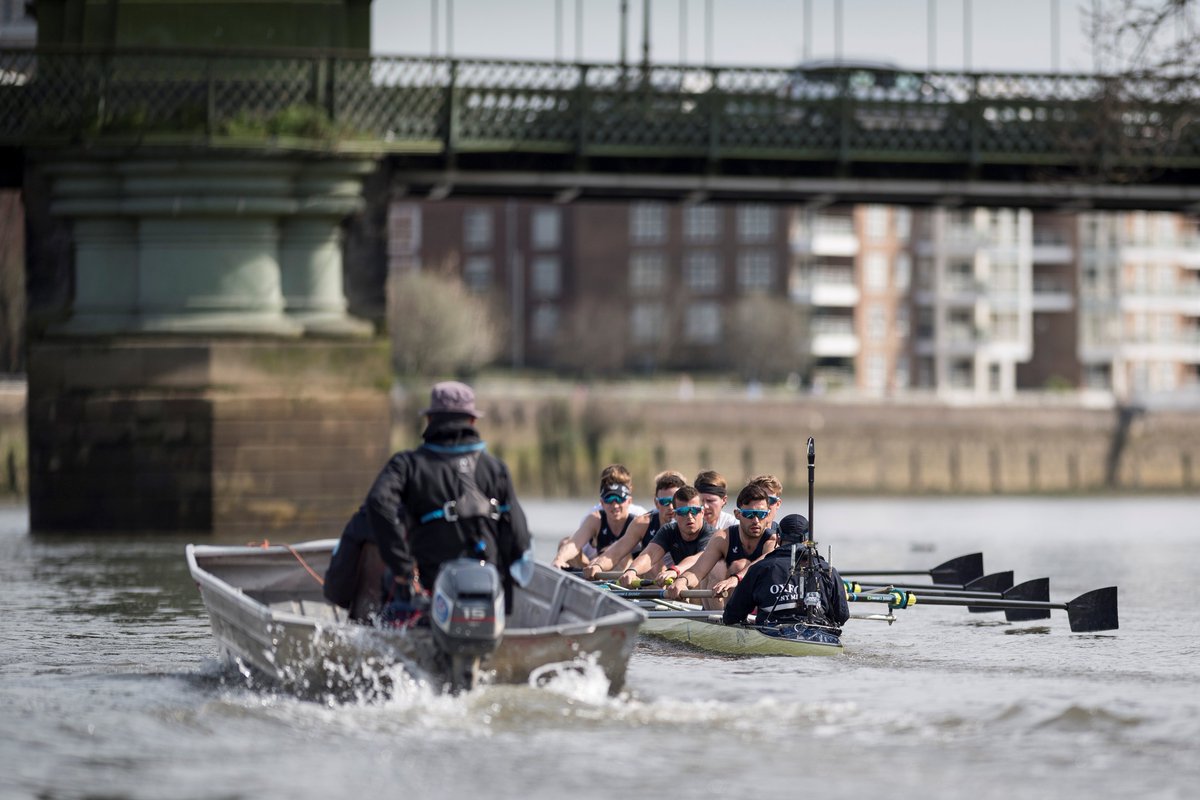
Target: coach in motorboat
<point x="445" y="499"/>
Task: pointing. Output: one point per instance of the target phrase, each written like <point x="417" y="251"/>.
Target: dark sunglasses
<point x="689" y="511"/>
<point x="614" y="498"/>
<point x="664" y="501"/>
<point x="753" y="513"/>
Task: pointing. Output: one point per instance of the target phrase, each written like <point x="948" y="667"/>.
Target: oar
<point x="957" y="571"/>
<point x="659" y="593"/>
<point x="1037" y="589"/>
<point x="1091" y="611"/>
<point x="702" y="614"/>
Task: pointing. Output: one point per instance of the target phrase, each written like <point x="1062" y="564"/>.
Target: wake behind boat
<point x="268" y="613"/>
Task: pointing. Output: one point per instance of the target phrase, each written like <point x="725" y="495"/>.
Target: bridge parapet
<point x="680" y="118"/>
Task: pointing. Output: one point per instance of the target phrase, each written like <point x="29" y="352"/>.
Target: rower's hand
<point x="665" y="578"/>
<point x="629" y="579"/>
<point x="592" y="571"/>
<point x="724" y="588"/>
<point x="673" y="591"/>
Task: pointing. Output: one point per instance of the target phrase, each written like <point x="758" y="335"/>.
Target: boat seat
<point x="314" y="609"/>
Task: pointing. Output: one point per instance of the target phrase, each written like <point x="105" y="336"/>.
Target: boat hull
<point x="268" y="615"/>
<point x="744" y="640"/>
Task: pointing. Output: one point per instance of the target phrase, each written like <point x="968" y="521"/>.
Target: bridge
<point x="608" y="130"/>
<point x="188" y="209"/>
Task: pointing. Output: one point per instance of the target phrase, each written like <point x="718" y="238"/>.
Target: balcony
<point x="827" y="237"/>
<point x="834" y="338"/>
<point x="1052" y="293"/>
<point x="825" y="286"/>
<point x="1182" y="297"/>
<point x="1052" y="247"/>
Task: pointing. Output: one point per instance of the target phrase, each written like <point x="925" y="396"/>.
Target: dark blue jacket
<point x="770" y="587"/>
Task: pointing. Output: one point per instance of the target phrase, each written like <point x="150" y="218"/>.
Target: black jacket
<point x="767" y="587"/>
<point x="406" y="510"/>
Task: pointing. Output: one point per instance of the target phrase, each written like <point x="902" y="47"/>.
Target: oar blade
<point x="996" y="582"/>
<point x="1094" y="611"/>
<point x="1038" y="590"/>
<point x="961" y="570"/>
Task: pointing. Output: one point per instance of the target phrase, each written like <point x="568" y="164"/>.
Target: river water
<point x="111" y="686"/>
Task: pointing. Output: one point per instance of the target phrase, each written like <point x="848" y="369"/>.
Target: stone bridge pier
<point x="208" y="377"/>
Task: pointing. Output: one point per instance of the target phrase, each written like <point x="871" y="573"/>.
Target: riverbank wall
<point x="557" y="439"/>
<point x="557" y="443"/>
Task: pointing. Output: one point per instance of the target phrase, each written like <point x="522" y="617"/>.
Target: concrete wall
<point x="244" y="440"/>
<point x="557" y="445"/>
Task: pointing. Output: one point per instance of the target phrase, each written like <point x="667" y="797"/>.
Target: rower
<point x="731" y="550"/>
<point x="600" y="529"/>
<point x="792" y="585"/>
<point x="643" y="529"/>
<point x="677" y="544"/>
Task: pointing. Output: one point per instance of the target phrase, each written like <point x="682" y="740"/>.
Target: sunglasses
<point x="689" y="511"/>
<point x="614" y="498"/>
<point x="753" y="513"/>
<point x="664" y="501"/>
<point x="772" y="499"/>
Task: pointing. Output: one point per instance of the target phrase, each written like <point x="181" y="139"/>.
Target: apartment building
<point x="969" y="304"/>
<point x="1140" y="303"/>
<point x="640" y="285"/>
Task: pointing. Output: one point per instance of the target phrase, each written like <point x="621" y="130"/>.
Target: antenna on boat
<point x="812" y="468"/>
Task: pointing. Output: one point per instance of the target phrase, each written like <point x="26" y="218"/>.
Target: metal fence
<point x="449" y="106"/>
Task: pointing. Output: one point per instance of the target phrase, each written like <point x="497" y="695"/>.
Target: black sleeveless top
<point x="735" y="550"/>
<point x="605" y="536"/>
<point x="648" y="536"/>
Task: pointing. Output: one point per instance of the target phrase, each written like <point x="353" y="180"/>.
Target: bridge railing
<point x="455" y="106"/>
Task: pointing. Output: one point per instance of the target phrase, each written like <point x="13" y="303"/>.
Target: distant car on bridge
<point x="884" y="96"/>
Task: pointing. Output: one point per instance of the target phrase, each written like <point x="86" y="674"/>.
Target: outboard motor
<point x="467" y="615"/>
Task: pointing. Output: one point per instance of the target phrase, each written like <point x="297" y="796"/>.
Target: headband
<point x="710" y="488"/>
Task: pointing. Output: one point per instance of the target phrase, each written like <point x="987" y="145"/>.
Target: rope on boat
<point x="266" y="543"/>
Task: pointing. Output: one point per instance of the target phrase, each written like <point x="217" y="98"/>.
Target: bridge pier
<point x="208" y="377"/>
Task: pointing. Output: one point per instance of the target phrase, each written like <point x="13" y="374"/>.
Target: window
<point x="546" y="226"/>
<point x="545" y="323"/>
<point x="701" y="223"/>
<point x="903" y="223"/>
<point x="404" y="229"/>
<point x="647" y="223"/>
<point x="875" y="267"/>
<point x="902" y="271"/>
<point x="876" y="323"/>
<point x="900" y="374"/>
<point x="877" y="222"/>
<point x="876" y="372"/>
<point x="645" y="323"/>
<point x="477" y="273"/>
<point x="547" y="276"/>
<point x="701" y="272"/>
<point x="755" y="222"/>
<point x="702" y="324"/>
<point x="477" y="229"/>
<point x="902" y="321"/>
<point x="647" y="272"/>
<point x="756" y="270"/>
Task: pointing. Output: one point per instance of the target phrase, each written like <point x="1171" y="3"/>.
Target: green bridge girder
<point x="540" y="126"/>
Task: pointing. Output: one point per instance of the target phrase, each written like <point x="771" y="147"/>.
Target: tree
<point x="1145" y="103"/>
<point x="437" y="326"/>
<point x="767" y="339"/>
<point x="592" y="339"/>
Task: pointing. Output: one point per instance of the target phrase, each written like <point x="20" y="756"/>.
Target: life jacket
<point x="464" y="523"/>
